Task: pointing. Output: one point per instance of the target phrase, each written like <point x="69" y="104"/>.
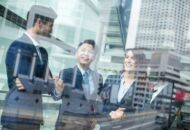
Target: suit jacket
<point x="23" y="107"/>
<point x="110" y="94"/>
<point x="72" y="77"/>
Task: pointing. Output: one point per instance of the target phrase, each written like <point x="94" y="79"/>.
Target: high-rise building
<point x="163" y="24"/>
<point x="115" y="16"/>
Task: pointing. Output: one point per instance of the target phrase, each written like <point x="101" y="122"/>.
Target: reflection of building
<point x="115" y="21"/>
<point x="142" y="93"/>
<point x="163" y="24"/>
<point x="163" y="66"/>
<point x="167" y="66"/>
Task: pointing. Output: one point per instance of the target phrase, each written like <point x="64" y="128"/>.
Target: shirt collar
<point x="122" y="79"/>
<point x="82" y="70"/>
<point x="32" y="39"/>
<point x="122" y="75"/>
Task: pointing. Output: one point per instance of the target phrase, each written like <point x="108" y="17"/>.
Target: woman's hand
<point x="118" y="114"/>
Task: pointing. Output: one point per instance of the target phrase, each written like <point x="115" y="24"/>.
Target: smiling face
<point x="129" y="61"/>
<point x="85" y="54"/>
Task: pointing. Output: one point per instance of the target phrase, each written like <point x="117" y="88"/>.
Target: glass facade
<point x="147" y="84"/>
<point x="77" y="20"/>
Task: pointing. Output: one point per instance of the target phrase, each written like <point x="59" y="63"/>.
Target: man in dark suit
<point x="23" y="108"/>
<point x="80" y="78"/>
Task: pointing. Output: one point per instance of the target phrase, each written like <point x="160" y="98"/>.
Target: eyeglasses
<point x="87" y="52"/>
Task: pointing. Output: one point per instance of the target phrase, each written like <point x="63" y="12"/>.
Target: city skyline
<point x="159" y="25"/>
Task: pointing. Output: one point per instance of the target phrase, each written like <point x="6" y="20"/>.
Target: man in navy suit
<point x="81" y="78"/>
<point x="23" y="108"/>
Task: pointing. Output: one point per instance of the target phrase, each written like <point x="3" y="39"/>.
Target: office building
<point x="163" y="24"/>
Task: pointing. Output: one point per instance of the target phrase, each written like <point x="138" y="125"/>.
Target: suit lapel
<point x="114" y="93"/>
<point x="77" y="78"/>
<point x="95" y="78"/>
<point x="129" y="93"/>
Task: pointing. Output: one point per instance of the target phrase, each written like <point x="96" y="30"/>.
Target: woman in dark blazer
<point x="118" y="90"/>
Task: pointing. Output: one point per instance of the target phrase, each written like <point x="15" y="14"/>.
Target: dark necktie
<point x="86" y="84"/>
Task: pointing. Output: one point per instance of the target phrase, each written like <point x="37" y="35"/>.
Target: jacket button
<point x="68" y="103"/>
<point x="17" y="98"/>
<point x="36" y="100"/>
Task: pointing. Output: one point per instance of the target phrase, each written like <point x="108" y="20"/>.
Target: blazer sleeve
<point x="105" y="92"/>
<point x="110" y="80"/>
<point x="10" y="63"/>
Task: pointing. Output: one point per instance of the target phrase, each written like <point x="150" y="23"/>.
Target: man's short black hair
<point x="88" y="41"/>
<point x="45" y="14"/>
<point x="42" y="18"/>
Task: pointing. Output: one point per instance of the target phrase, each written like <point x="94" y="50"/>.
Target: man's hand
<point x="19" y="85"/>
<point x="59" y="86"/>
<point x="118" y="114"/>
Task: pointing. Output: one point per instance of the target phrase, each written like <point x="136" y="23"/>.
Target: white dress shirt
<point x="91" y="83"/>
<point x="36" y="44"/>
<point x="123" y="89"/>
